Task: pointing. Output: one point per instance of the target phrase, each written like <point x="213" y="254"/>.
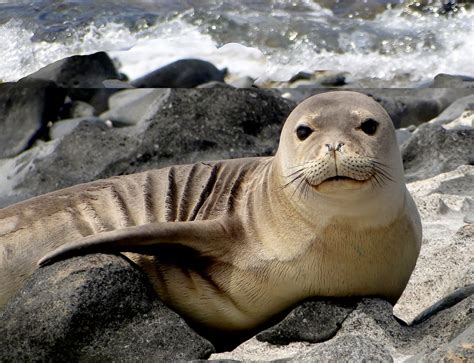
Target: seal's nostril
<point x="330" y="147"/>
<point x="339" y="146"/>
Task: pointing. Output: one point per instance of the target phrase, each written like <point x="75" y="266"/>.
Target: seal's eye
<point x="369" y="126"/>
<point x="303" y="132"/>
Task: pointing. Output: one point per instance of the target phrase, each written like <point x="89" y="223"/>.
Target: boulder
<point x="446" y="261"/>
<point x="442" y="144"/>
<point x="94" y="308"/>
<point x="405" y="106"/>
<point x="83" y="77"/>
<point x="75" y="109"/>
<point x="25" y="109"/>
<point x="127" y="107"/>
<point x="79" y="71"/>
<point x="184" y="73"/>
<point x="179" y="126"/>
<point x="61" y="128"/>
<point x="368" y="332"/>
<point x="312" y="321"/>
<point x="452" y="81"/>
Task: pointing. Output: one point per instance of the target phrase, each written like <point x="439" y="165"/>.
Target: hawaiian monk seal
<point x="228" y="244"/>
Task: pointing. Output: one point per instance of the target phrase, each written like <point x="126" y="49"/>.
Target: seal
<point x="229" y="244"/>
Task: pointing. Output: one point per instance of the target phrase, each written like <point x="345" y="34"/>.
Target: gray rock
<point x="405" y="106"/>
<point x="79" y="71"/>
<point x="454" y="111"/>
<point x="415" y="106"/>
<point x="94" y="308"/>
<point x="445" y="303"/>
<point x="82" y="76"/>
<point x="183" y="126"/>
<point x="215" y="84"/>
<point x="402" y="135"/>
<point x="370" y="332"/>
<point x="434" y="149"/>
<point x="347" y="348"/>
<point x="243" y="82"/>
<point x="311" y="321"/>
<point x="460" y="349"/>
<point x="62" y="128"/>
<point x="452" y="81"/>
<point x="128" y="107"/>
<point x="76" y="109"/>
<point x="115" y="83"/>
<point x="184" y="73"/>
<point x="25" y="109"/>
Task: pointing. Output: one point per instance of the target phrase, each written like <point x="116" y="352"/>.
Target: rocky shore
<point x="80" y="119"/>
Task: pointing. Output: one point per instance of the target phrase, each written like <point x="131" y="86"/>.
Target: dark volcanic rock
<point x="79" y="71"/>
<point x="25" y="109"/>
<point x="82" y="76"/>
<point x="452" y="81"/>
<point x="179" y="126"/>
<point x="312" y="321"/>
<point x="97" y="307"/>
<point x="184" y="73"/>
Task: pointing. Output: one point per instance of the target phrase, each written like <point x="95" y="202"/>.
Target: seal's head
<point x="339" y="146"/>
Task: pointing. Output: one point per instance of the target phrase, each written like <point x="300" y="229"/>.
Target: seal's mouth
<point x="338" y="183"/>
<point x="338" y="178"/>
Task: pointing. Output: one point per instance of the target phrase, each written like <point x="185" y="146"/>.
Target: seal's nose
<point x="338" y="147"/>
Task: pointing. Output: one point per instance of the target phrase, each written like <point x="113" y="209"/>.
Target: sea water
<point x="402" y="43"/>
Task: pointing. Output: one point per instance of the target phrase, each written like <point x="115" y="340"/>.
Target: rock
<point x="446" y="262"/>
<point x="79" y="71"/>
<point x="115" y="83"/>
<point x="25" y="109"/>
<point x="129" y="106"/>
<point x="445" y="303"/>
<point x="184" y="126"/>
<point x="460" y="349"/>
<point x="414" y="107"/>
<point x="368" y="332"/>
<point x="83" y="77"/>
<point x="452" y="81"/>
<point x="434" y="149"/>
<point x="405" y="106"/>
<point x="62" y="128"/>
<point x="243" y="82"/>
<point x="76" y="109"/>
<point x="215" y="84"/>
<point x="454" y="111"/>
<point x="96" y="307"/>
<point x="185" y="73"/>
<point x="402" y="135"/>
<point x="311" y="321"/>
<point x="345" y="349"/>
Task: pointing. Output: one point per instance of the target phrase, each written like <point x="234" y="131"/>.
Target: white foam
<point x="181" y="40"/>
<point x="22" y="56"/>
<point x="408" y="63"/>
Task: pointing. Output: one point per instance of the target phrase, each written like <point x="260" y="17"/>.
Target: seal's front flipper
<point x="201" y="236"/>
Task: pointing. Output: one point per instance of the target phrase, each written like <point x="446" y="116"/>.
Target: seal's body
<point x="230" y="243"/>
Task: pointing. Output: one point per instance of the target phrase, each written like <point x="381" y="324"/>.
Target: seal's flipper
<point x="199" y="235"/>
